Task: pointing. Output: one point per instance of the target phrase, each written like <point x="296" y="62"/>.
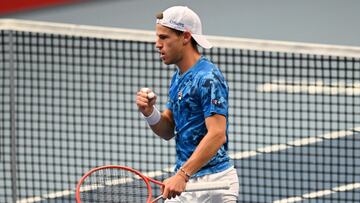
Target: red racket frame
<point x="146" y="180"/>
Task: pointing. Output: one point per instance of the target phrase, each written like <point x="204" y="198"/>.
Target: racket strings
<point x="113" y="185"/>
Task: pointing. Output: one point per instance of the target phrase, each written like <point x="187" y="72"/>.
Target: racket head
<point x="113" y="184"/>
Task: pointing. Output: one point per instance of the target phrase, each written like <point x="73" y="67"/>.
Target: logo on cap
<point x="179" y="25"/>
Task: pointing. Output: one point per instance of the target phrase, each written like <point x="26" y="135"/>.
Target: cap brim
<point x="202" y="41"/>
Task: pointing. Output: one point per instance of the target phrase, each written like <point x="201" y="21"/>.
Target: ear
<point x="187" y="37"/>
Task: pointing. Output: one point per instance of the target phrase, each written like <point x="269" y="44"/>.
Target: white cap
<point x="184" y="19"/>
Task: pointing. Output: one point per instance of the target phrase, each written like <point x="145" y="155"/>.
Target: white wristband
<point x="154" y="117"/>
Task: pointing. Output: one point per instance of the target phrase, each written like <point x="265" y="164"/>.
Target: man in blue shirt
<point x="196" y="113"/>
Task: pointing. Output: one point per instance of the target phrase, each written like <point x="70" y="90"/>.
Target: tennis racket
<point x="112" y="184"/>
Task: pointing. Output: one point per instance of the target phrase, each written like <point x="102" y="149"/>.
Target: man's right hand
<point x="145" y="100"/>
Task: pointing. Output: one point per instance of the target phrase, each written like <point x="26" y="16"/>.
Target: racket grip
<point x="157" y="199"/>
<point x="193" y="187"/>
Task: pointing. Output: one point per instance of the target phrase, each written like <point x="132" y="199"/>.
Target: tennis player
<point x="196" y="113"/>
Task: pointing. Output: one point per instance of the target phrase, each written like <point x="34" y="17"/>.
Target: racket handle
<point x="157" y="199"/>
<point x="193" y="187"/>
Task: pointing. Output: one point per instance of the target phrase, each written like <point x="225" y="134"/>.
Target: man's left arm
<point x="207" y="149"/>
<point x="209" y="145"/>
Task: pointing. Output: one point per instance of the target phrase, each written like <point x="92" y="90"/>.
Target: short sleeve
<point x="214" y="94"/>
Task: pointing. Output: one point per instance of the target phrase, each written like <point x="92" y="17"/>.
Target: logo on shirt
<point x="215" y="102"/>
<point x="180" y="95"/>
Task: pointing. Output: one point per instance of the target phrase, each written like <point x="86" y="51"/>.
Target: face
<point x="169" y="44"/>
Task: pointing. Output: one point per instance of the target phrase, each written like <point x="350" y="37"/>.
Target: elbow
<point x="221" y="137"/>
<point x="167" y="136"/>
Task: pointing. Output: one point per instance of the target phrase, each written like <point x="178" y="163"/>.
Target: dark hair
<point x="159" y="15"/>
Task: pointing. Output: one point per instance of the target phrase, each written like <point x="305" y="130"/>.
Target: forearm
<point x="205" y="151"/>
<point x="209" y="145"/>
<point x="165" y="127"/>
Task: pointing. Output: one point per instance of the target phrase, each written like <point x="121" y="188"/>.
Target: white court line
<point x="314" y="87"/>
<point x="295" y="143"/>
<point x="321" y="193"/>
<point x="238" y="156"/>
<point x="59" y="194"/>
<point x="304" y="142"/>
<point x="47" y="196"/>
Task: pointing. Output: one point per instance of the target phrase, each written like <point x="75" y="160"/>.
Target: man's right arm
<point x="163" y="127"/>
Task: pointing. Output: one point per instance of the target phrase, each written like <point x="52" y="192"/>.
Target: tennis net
<point x="67" y="105"/>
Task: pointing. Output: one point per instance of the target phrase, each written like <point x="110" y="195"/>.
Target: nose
<point x="157" y="43"/>
<point x="157" y="46"/>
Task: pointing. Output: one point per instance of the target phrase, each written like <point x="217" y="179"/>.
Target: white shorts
<point x="212" y="196"/>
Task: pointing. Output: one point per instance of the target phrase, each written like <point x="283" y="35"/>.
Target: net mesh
<point x="68" y="105"/>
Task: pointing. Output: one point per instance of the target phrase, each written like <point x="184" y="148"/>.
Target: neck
<point x="189" y="60"/>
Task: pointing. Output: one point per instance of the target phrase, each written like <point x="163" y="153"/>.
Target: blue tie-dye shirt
<point x="195" y="95"/>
